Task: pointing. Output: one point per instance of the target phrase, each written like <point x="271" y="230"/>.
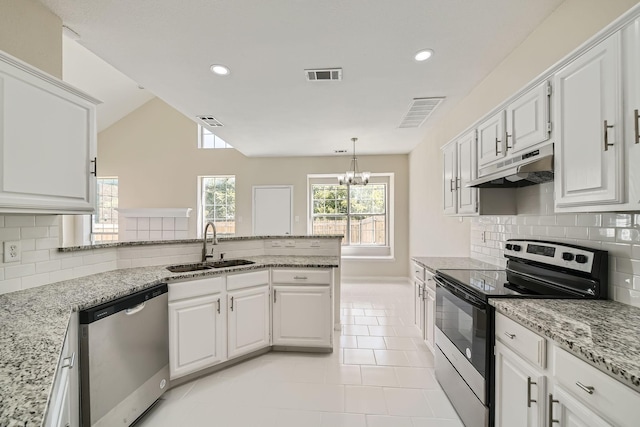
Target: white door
<point x="467" y="171"/>
<point x="248" y="315"/>
<point x="528" y="119"/>
<point x="491" y="144"/>
<point x="272" y="210"/>
<point x="588" y="151"/>
<point x="449" y="178"/>
<point x="196" y="334"/>
<point x="519" y="391"/>
<point x="302" y="316"/>
<point x="567" y="411"/>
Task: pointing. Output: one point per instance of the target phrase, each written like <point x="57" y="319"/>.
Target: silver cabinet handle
<point x="589" y="389"/>
<point x="274" y="296"/>
<point x="637" y="125"/>
<point x="420" y="291"/>
<point x="134" y="310"/>
<point x="218" y="305"/>
<point x="507" y="139"/>
<point x="529" y="399"/>
<point x="606" y="136"/>
<point x="451" y="185"/>
<point x="68" y="362"/>
<point x="94" y="172"/>
<point x="458" y="183"/>
<point x="551" y="402"/>
<point x="300" y="277"/>
<point x="231" y="303"/>
<point x="497" y="142"/>
<point x="510" y="336"/>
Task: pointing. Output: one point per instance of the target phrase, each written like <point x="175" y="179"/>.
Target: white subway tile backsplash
<point x="180" y="235"/>
<point x="34" y="232"/>
<point x="617" y="220"/>
<point x="629" y="266"/>
<point x="47" y="220"/>
<point x="131" y="224"/>
<point x="21" y="270"/>
<point x="617" y="249"/>
<point x="627" y="235"/>
<point x="155" y="224"/>
<point x="1" y="221"/>
<point x="28" y="244"/>
<point x="35" y="256"/>
<point x="589" y="220"/>
<point x="35" y="280"/>
<point x="577" y="232"/>
<point x="130" y="236"/>
<point x="47" y="243"/>
<point x="182" y="224"/>
<point x="168" y="224"/>
<point x="11" y="285"/>
<point x="143" y="235"/>
<point x="1" y="274"/>
<point x="20" y="221"/>
<point x="567" y="219"/>
<point x="155" y="235"/>
<point x="602" y="234"/>
<point x="9" y="234"/>
<point x="143" y="224"/>
<point x="555" y="231"/>
<point x="168" y="234"/>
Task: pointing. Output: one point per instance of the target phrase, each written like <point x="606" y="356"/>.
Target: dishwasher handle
<point x="136" y="309"/>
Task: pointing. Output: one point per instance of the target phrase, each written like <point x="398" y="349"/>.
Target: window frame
<point x="201" y="130"/>
<point x="201" y="204"/>
<point x="361" y="252"/>
<point x="92" y="223"/>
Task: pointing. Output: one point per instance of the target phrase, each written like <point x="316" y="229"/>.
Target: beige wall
<point x="29" y="31"/>
<point x="153" y="152"/>
<point x="572" y="23"/>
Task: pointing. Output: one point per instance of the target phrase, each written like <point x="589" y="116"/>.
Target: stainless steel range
<point x="464" y="318"/>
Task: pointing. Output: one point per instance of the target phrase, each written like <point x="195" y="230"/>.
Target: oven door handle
<point x="470" y="299"/>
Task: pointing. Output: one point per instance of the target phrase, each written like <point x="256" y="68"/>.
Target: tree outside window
<point x="219" y="203"/>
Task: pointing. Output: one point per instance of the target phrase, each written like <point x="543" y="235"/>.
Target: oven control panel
<point x="580" y="259"/>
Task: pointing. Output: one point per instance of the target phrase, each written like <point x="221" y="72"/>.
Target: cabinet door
<point x="302" y="316"/>
<point x="417" y="301"/>
<point x="196" y="334"/>
<point x="467" y="171"/>
<point x="449" y="178"/>
<point x="430" y="319"/>
<point x="528" y="119"/>
<point x="632" y="112"/>
<point x="519" y="391"/>
<point x="248" y="316"/>
<point x="588" y="151"/>
<point x="491" y="144"/>
<point x="47" y="143"/>
<point x="567" y="411"/>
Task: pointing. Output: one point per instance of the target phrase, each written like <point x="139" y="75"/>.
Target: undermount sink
<point x="187" y="268"/>
<point x="208" y="266"/>
<point x="230" y="263"/>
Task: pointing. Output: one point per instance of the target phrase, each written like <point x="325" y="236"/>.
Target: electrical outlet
<point x="12" y="251"/>
<point x="276" y="244"/>
<point x="290" y="244"/>
<point x="315" y="243"/>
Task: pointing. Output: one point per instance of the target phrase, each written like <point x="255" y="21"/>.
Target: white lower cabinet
<point x="520" y="390"/>
<point x="430" y="317"/>
<point x="197" y="325"/>
<point x="302" y="315"/>
<point x="565" y="392"/>
<point x="248" y="317"/>
<point x="64" y="403"/>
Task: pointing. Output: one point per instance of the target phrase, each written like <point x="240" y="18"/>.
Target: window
<point x="207" y="139"/>
<point x="104" y="224"/>
<point x="218" y="203"/>
<point x="360" y="213"/>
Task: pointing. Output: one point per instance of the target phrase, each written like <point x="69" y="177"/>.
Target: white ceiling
<point x="266" y="105"/>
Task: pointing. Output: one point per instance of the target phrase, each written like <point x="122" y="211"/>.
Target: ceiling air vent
<point x="419" y="110"/>
<point x="209" y="121"/>
<point x="324" y="74"/>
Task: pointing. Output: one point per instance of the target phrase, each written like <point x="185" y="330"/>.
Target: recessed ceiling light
<point x="423" y="55"/>
<point x="220" y="69"/>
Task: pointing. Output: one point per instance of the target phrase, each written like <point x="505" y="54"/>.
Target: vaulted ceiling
<point x="266" y="105"/>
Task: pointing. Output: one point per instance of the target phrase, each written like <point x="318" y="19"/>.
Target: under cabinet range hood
<point x="533" y="167"/>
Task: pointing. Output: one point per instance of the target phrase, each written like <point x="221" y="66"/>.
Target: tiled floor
<point x="380" y="374"/>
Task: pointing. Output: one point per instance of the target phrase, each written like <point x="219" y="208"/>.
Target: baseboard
<point x="382" y="280"/>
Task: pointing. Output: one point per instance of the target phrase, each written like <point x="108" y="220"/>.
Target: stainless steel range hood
<point x="534" y="167"/>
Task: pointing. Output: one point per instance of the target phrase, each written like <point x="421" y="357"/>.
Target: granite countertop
<point x="183" y="241"/>
<point x="606" y="334"/>
<point x="33" y="324"/>
<point x="462" y="263"/>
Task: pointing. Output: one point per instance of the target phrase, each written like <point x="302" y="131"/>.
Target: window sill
<point x="388" y="258"/>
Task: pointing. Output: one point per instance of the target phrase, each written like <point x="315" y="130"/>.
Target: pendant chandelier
<point x="353" y="177"/>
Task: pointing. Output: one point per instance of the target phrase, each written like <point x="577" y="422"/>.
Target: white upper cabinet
<point x="491" y="139"/>
<point x="589" y="143"/>
<point x="449" y="178"/>
<point x="467" y="171"/>
<point x="631" y="42"/>
<point x="47" y="143"/>
<point x="528" y="120"/>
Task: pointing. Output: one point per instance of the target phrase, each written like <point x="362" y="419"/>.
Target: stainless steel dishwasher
<point x="124" y="357"/>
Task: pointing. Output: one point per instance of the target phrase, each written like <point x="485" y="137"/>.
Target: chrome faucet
<point x="204" y="240"/>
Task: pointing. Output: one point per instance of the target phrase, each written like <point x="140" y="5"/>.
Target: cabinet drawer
<point x="610" y="398"/>
<point x="527" y="343"/>
<point x="418" y="272"/>
<point x="196" y="288"/>
<point x="247" y="280"/>
<point x="316" y="277"/>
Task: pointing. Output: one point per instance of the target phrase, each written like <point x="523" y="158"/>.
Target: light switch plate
<point x="12" y="251"/>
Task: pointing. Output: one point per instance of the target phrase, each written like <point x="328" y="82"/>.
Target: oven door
<point x="462" y="319"/>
